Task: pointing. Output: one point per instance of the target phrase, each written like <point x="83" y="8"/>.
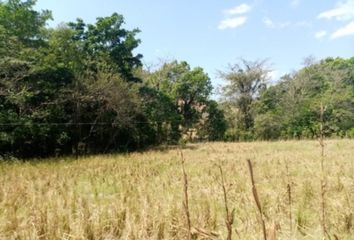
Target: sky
<point x="214" y="33"/>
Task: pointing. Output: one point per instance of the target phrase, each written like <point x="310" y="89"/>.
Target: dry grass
<point x="140" y="196"/>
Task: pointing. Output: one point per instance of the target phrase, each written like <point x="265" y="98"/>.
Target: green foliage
<point x="55" y="96"/>
<point x="18" y="19"/>
<point x="162" y="115"/>
<point x="291" y="108"/>
<point x="76" y="88"/>
<point x="244" y="82"/>
<point x="267" y="126"/>
<point x="188" y="89"/>
<point x="236" y="134"/>
<point x="215" y="125"/>
<point x="81" y="88"/>
<point x="107" y="40"/>
<point x="351" y="133"/>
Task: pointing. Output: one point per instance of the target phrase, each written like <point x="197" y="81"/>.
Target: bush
<point x="234" y="134"/>
<point x="267" y="127"/>
<point x="350" y="133"/>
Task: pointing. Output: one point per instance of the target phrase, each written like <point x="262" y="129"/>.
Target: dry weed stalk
<point x="256" y="198"/>
<point x="272" y="232"/>
<point x="289" y="197"/>
<point x="205" y="234"/>
<point x="322" y="136"/>
<point x="229" y="215"/>
<point x="186" y="197"/>
<point x="323" y="175"/>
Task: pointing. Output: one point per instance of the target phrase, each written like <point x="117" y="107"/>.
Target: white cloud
<point x="342" y="12"/>
<point x="232" y="22"/>
<point x="271" y="24"/>
<point x="347" y="30"/>
<point x="240" y="9"/>
<point x="320" y="34"/>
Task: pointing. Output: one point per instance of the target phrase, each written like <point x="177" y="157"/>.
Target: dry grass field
<point x="141" y="195"/>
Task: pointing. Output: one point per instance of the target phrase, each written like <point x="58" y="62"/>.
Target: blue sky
<point x="214" y="33"/>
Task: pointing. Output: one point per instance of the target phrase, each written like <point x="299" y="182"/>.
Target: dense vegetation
<point x="81" y="88"/>
<point x="292" y="107"/>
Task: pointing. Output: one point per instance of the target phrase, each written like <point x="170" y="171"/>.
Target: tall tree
<point x="69" y="86"/>
<point x="244" y="81"/>
<point x="21" y="20"/>
<point x="107" y="40"/>
<point x="189" y="89"/>
<point x="214" y="124"/>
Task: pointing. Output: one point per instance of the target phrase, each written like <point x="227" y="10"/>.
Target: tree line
<point x="80" y="88"/>
<point x="291" y="108"/>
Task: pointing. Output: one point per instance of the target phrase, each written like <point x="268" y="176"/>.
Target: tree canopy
<point x="81" y="88"/>
<point x="291" y="107"/>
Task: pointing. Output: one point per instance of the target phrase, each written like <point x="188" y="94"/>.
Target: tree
<point x="214" y="126"/>
<point x="19" y="22"/>
<point x="23" y="86"/>
<point x="244" y="83"/>
<point x="67" y="87"/>
<point x="107" y="40"/>
<point x="189" y="89"/>
<point x="161" y="113"/>
<point x="290" y="109"/>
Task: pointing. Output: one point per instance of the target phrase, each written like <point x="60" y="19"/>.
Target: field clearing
<point x="140" y="195"/>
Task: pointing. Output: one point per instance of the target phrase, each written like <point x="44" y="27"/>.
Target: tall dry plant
<point x="323" y="175"/>
<point x="186" y="197"/>
<point x="289" y="192"/>
<point x="229" y="215"/>
<point x="256" y="198"/>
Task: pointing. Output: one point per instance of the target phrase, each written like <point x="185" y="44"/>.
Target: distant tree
<point x="189" y="89"/>
<point x="290" y="109"/>
<point x="268" y="126"/>
<point x="244" y="82"/>
<point x="214" y="126"/>
<point x="161" y="112"/>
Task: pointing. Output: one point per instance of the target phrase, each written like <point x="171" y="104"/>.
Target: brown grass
<point x="256" y="199"/>
<point x="140" y="196"/>
<point x="229" y="219"/>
